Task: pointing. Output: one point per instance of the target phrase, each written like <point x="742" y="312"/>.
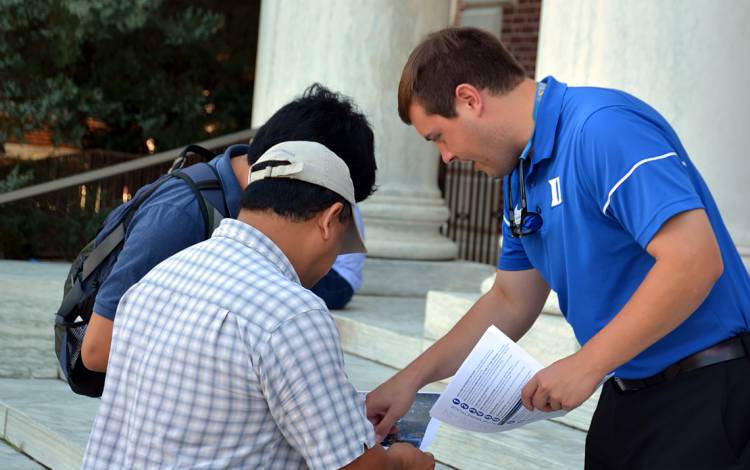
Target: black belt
<point x="733" y="348"/>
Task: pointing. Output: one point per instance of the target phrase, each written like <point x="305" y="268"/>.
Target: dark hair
<point x="448" y="58"/>
<point x="322" y="116"/>
<point x="293" y="199"/>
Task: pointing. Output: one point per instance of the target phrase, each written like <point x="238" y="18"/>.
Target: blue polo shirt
<point x="169" y="221"/>
<point x="607" y="171"/>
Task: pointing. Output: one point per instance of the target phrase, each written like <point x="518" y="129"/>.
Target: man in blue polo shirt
<point x="604" y="206"/>
<point x="171" y="219"/>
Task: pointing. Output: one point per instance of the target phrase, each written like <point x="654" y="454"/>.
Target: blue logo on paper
<point x="473" y="411"/>
<point x="456" y="401"/>
<point x="487" y="417"/>
<point x="464" y="406"/>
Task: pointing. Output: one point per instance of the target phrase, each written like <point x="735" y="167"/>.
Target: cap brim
<point x="352" y="242"/>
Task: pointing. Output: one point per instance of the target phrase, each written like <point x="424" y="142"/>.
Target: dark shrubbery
<point x="111" y="74"/>
<point x="54" y="226"/>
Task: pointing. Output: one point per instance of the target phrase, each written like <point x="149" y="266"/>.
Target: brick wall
<point x="520" y="32"/>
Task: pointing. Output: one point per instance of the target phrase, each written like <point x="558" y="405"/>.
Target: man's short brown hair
<point x="449" y="57"/>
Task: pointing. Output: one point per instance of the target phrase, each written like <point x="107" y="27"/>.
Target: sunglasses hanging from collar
<point x="521" y="221"/>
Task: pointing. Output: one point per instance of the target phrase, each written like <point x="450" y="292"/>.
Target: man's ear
<point x="328" y="219"/>
<point x="469" y="98"/>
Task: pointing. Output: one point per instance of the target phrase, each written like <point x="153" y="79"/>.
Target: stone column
<point x="359" y="48"/>
<point x="688" y="59"/>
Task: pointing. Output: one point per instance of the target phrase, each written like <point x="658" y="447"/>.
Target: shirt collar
<point x="232" y="189"/>
<point x="548" y="116"/>
<point x="255" y="240"/>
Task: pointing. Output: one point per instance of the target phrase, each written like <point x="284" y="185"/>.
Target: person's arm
<point x="512" y="304"/>
<point x="96" y="343"/>
<point x="688" y="263"/>
<point x="301" y="371"/>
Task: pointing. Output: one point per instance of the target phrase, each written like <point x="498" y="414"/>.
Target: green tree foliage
<point x="112" y="74"/>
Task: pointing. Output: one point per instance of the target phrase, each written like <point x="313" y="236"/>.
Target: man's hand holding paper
<point x="564" y="385"/>
<point x="486" y="393"/>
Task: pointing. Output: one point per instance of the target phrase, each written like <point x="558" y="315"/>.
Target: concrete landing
<point x="401" y="278"/>
<point x="387" y="330"/>
<point x="30" y="293"/>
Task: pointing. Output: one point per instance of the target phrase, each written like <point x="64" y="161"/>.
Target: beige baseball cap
<point x="317" y="164"/>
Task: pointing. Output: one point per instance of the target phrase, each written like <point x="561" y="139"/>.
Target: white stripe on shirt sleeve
<point x="630" y="172"/>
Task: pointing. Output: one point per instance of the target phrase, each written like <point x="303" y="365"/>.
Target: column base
<point x="406" y="228"/>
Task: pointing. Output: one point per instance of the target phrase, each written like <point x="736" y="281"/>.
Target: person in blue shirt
<point x="171" y="219"/>
<point x="604" y="206"/>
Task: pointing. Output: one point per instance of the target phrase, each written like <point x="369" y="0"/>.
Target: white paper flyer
<point x="485" y="394"/>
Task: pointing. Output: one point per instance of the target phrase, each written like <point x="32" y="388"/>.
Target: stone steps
<point x="400" y="278"/>
<point x="387" y="331"/>
<point x="30" y="293"/>
<point x="51" y="424"/>
<point x="12" y="459"/>
<point x="46" y="420"/>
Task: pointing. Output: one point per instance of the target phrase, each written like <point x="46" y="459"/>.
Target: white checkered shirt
<point x="221" y="359"/>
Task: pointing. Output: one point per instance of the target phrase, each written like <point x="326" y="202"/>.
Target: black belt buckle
<point x="620" y="384"/>
<point x="624" y="385"/>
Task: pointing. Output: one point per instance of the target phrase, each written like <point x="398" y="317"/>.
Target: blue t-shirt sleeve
<point x="635" y="173"/>
<point x="155" y="233"/>
<point x="512" y="255"/>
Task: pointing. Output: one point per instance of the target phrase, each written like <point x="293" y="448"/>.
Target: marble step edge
<point x="12" y="458"/>
<point x="548" y="340"/>
<point x="38" y="441"/>
<point x="378" y="343"/>
<point x="466" y="299"/>
<point x="410" y="278"/>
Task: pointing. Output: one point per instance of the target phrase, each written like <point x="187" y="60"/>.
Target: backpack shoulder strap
<point x="204" y="181"/>
<point x="117" y="234"/>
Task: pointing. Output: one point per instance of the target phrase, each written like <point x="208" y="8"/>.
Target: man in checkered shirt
<point x="222" y="359"/>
